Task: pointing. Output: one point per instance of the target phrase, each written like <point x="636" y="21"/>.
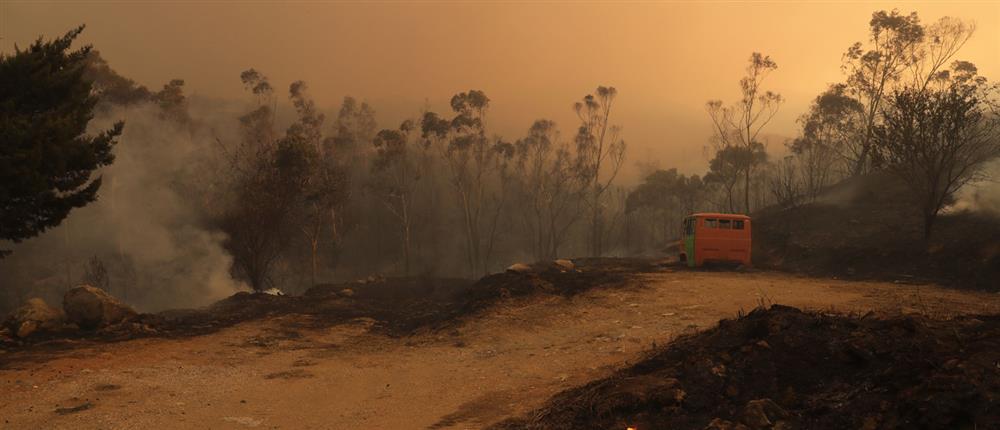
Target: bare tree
<point x="266" y="177"/>
<point x="739" y="125"/>
<point x="348" y="150"/>
<point x="785" y="182"/>
<point x="937" y="141"/>
<point x="476" y="166"/>
<point x="942" y="40"/>
<point x="96" y="274"/>
<point x="549" y="187"/>
<point x="601" y="152"/>
<point x="814" y="164"/>
<point x="397" y="174"/>
<point x="324" y="184"/>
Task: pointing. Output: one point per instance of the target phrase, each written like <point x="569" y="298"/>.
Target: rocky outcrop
<point x="519" y="268"/>
<point x="32" y="317"/>
<point x="564" y="264"/>
<point x="92" y="308"/>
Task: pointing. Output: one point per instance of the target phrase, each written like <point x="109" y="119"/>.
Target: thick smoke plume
<point x="146" y="238"/>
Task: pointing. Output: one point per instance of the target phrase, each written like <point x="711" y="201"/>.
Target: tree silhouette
<point x="738" y="126"/>
<point x="47" y="159"/>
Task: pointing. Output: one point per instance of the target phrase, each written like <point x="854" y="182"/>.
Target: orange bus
<point x="715" y="237"/>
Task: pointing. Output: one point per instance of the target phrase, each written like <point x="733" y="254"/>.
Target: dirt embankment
<point x="285" y="370"/>
<point x="398" y="306"/>
<point x="780" y="367"/>
<point x="865" y="228"/>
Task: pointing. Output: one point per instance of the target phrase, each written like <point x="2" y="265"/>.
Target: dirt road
<point x="276" y="374"/>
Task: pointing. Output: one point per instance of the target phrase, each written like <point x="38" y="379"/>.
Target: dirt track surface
<point x="276" y="374"/>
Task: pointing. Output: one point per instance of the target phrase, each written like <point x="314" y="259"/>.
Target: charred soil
<point x="784" y="368"/>
<point x="397" y="306"/>
<point x="865" y="228"/>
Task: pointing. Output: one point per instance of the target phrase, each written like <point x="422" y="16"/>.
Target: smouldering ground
<point x="274" y="374"/>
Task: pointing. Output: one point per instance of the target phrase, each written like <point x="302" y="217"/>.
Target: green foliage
<point x="46" y="159"/>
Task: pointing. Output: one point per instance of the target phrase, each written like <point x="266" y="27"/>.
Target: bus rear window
<point x="738" y="224"/>
<point x="725" y="224"/>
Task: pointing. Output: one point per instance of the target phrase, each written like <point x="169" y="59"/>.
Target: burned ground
<point x="398" y="306"/>
<point x="864" y="228"/>
<point x="784" y="368"/>
<point x="472" y="371"/>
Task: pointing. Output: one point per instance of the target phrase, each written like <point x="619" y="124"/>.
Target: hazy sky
<point x="533" y="60"/>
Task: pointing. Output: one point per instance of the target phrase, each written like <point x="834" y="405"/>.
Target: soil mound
<point x="866" y="228"/>
<point x="399" y="306"/>
<point x="785" y="368"/>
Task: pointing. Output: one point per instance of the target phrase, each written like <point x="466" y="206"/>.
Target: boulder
<point x="519" y="268"/>
<point x="33" y="316"/>
<point x="90" y="308"/>
<point x="565" y="264"/>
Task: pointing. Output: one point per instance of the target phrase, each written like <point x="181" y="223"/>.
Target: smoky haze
<point x="145" y="228"/>
<point x="533" y="60"/>
<point x="156" y="230"/>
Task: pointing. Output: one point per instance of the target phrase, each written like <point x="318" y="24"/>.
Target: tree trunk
<point x="406" y="239"/>
<point x="929" y="218"/>
<point x="314" y="242"/>
<point x="746" y="191"/>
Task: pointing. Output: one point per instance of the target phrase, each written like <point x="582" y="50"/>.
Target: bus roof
<point x="718" y="215"/>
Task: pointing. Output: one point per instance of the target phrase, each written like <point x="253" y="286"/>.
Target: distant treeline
<point x="324" y="198"/>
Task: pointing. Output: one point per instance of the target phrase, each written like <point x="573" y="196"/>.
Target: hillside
<point x="864" y="228"/>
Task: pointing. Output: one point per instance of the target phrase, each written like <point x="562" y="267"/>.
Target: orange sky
<point x="532" y="60"/>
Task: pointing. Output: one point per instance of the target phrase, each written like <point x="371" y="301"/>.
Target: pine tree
<point x="46" y="158"/>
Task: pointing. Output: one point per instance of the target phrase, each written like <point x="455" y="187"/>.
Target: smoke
<point x="148" y="229"/>
<point x="982" y="196"/>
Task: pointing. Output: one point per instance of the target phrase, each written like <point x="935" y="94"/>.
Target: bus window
<point x="711" y="223"/>
<point x="725" y="224"/>
<point x="738" y="224"/>
<point x="689" y="226"/>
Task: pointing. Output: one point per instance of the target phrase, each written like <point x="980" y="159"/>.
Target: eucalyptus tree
<point x="600" y="154"/>
<point x="397" y="171"/>
<point x="550" y="189"/>
<point x="737" y="127"/>
<point x="900" y="52"/>
<point x="477" y="169"/>
<point x="268" y="175"/>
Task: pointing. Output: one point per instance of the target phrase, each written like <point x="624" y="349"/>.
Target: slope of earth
<point x="779" y="367"/>
<point x="398" y="306"/>
<point x="285" y="371"/>
<point x="864" y="228"/>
